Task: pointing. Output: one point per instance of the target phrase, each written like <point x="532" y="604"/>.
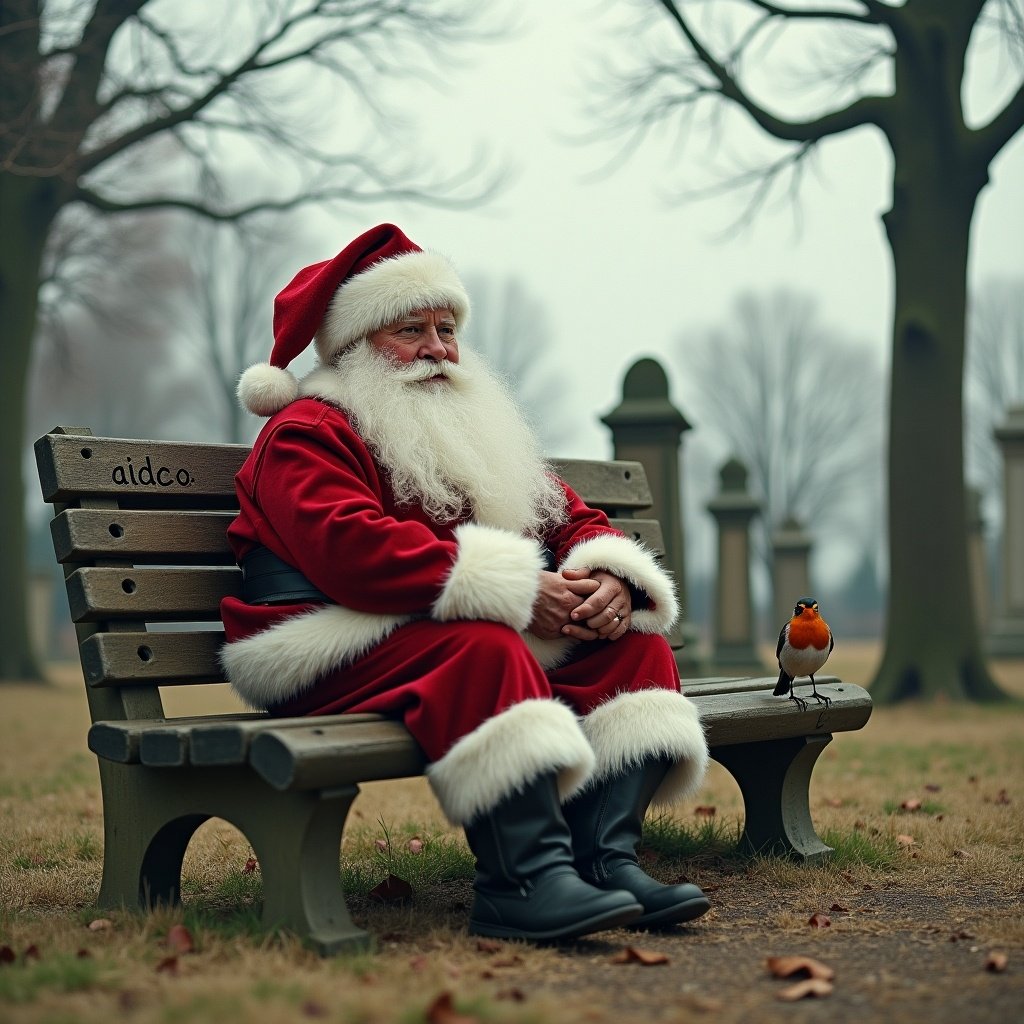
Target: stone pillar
<point x="734" y="629"/>
<point x="791" y="571"/>
<point x="1006" y="637"/>
<point x="977" y="557"/>
<point x="648" y="428"/>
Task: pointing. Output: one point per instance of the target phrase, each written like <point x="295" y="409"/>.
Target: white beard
<point x="459" y="447"/>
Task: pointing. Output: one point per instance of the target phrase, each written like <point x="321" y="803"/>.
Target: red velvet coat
<point x="314" y="495"/>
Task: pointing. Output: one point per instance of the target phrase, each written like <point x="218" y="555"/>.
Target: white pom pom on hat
<point x="376" y="279"/>
<point x="264" y="389"/>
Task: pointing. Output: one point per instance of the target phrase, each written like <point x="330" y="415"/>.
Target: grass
<point x="959" y="768"/>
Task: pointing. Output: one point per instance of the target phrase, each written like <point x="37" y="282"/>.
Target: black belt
<point x="267" y="579"/>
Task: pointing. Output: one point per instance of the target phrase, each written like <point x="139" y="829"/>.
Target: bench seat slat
<point x="150" y="595"/>
<point x="742" y="717"/>
<point x="148" y="659"/>
<point x="180" y="537"/>
<point x="323" y="755"/>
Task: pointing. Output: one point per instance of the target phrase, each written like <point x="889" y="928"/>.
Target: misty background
<point x="585" y="257"/>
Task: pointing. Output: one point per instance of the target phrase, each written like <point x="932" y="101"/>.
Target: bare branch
<point x="990" y="139"/>
<point x="329" y="193"/>
<point x="832" y="14"/>
<point x="865" y="110"/>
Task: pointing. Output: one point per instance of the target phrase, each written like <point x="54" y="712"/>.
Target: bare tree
<point x="799" y="404"/>
<point x="510" y="329"/>
<point x="88" y="87"/>
<point x="899" y="68"/>
<point x="236" y="273"/>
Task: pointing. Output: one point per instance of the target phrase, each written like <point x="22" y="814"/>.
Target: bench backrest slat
<point x="151" y="658"/>
<point x="181" y="537"/>
<point x="140" y="528"/>
<point x="150" y="595"/>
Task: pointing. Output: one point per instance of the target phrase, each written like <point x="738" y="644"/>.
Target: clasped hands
<point x="581" y="604"/>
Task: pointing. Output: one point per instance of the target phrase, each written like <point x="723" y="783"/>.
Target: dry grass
<point x="918" y="919"/>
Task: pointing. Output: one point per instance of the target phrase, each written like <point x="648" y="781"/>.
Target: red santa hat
<point x="375" y="280"/>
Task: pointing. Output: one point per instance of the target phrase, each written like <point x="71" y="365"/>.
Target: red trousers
<point x="444" y="679"/>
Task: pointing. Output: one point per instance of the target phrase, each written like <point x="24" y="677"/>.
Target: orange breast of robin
<point x="808" y="631"/>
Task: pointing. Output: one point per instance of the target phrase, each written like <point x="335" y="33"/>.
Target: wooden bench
<point x="139" y="527"/>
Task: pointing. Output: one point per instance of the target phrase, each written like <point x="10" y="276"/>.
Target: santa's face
<point x="427" y="334"/>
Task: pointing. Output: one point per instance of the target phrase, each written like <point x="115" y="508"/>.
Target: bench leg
<point x="774" y="777"/>
<point x="144" y="843"/>
<point x="150" y="815"/>
<point x="298" y="849"/>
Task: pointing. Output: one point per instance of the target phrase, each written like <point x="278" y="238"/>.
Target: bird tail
<point x="783" y="685"/>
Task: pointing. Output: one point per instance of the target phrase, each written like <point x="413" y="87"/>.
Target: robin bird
<point x="804" y="646"/>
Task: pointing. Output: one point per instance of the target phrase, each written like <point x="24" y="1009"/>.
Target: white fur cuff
<point x="636" y="727"/>
<point x="495" y="577"/>
<point x="631" y="561"/>
<point x="508" y="752"/>
<point x="286" y="659"/>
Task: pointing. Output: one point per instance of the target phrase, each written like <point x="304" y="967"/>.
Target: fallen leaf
<point x="381" y="844"/>
<point x="705" y="812"/>
<point x="83" y="954"/>
<point x="179" y="938"/>
<point x="441" y="1011"/>
<point x="932" y="787"/>
<point x="835" y="801"/>
<point x="311" y="1008"/>
<point x="251" y="866"/>
<point x="820" y="921"/>
<point x="838" y="908"/>
<point x="515" y="995"/>
<point x="960" y="853"/>
<point x="996" y="962"/>
<point x="32" y="953"/>
<point x="904" y="840"/>
<point x="7" y="955"/>
<point x="911" y="805"/>
<point x="802" y="989"/>
<point x="419" y="963"/>
<point x="1002" y="798"/>
<point x="169" y="965"/>
<point x="101" y="924"/>
<point x="632" y="955"/>
<point x="415" y="845"/>
<point x="787" y="966"/>
<point x="392" y="890"/>
<point x="489" y="946"/>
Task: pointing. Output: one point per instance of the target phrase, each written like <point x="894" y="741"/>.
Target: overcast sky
<point x="622" y="271"/>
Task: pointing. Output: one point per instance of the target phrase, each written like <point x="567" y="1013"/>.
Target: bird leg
<point x="820" y="697"/>
<point x="801" y="703"/>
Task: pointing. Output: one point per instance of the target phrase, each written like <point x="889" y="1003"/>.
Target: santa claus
<point x="406" y="550"/>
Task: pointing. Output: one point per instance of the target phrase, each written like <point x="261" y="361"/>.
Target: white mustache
<point x="423" y="369"/>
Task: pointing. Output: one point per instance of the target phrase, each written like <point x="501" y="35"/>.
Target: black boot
<point x="606" y="821"/>
<point x="526" y="885"/>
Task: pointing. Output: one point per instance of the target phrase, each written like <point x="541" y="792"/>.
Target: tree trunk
<point x="27" y="209"/>
<point x="932" y="642"/>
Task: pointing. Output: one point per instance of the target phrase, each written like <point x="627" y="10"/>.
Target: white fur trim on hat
<point x="506" y="753"/>
<point x="387" y="291"/>
<point x="636" y="727"/>
<point x="495" y="577"/>
<point x="281" y="662"/>
<point x="264" y="389"/>
<point x="630" y="561"/>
